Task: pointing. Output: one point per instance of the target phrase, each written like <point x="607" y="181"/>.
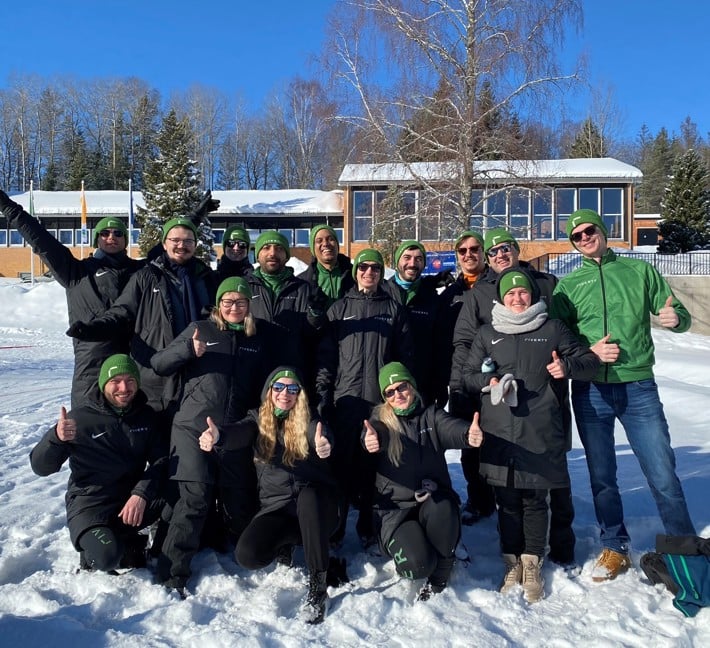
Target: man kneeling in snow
<point x="117" y="457"/>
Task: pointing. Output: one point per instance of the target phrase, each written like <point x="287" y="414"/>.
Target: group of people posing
<point x="246" y="405"/>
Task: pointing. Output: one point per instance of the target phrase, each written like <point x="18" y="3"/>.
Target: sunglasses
<point x="237" y="244"/>
<point x="292" y="390"/>
<point x="587" y="231"/>
<point x="493" y="252"/>
<point x="364" y="267"/>
<point x="115" y="233"/>
<point x="474" y="249"/>
<point x="389" y="393"/>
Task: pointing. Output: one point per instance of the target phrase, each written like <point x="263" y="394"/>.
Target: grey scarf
<point x="506" y="321"/>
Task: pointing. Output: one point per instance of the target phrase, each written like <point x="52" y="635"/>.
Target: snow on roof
<point x="573" y="170"/>
<point x="282" y="201"/>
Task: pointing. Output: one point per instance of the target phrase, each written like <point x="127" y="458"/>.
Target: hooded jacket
<point x="107" y="460"/>
<point x="617" y="297"/>
<point x="222" y="383"/>
<point x="345" y="265"/>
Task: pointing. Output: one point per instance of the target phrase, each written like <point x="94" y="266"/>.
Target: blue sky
<point x="650" y="53"/>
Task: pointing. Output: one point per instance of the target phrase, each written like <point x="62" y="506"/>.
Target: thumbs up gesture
<point x="475" y="433"/>
<point x="606" y="351"/>
<point x="66" y="427"/>
<point x="667" y="316"/>
<point x="371" y="440"/>
<point x="209" y="437"/>
<point x="323" y="446"/>
<point x="198" y="345"/>
<point x="556" y="368"/>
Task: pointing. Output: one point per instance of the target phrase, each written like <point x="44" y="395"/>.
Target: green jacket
<point x="616" y="296"/>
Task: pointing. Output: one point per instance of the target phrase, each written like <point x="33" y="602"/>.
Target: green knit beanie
<point x="233" y="284"/>
<point x="584" y="216"/>
<point x="468" y="234"/>
<point x="315" y="230"/>
<point x="511" y="280"/>
<point x="180" y="221"/>
<point x="116" y="365"/>
<point x="368" y="255"/>
<point x="406" y="245"/>
<point x="110" y="222"/>
<point x="285" y="373"/>
<point x="496" y="236"/>
<point x="272" y="237"/>
<point x="236" y="233"/>
<point x="394" y="372"/>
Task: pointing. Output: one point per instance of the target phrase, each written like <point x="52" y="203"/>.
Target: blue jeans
<point x="639" y="409"/>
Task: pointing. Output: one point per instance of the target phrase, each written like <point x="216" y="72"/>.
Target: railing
<point x="689" y="263"/>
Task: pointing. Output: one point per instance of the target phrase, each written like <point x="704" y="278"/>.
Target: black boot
<point x="284" y="556"/>
<point x="437" y="581"/>
<point x="317" y="599"/>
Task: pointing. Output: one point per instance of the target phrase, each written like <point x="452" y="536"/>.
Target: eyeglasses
<point x="239" y="303"/>
<point x="291" y="390"/>
<point x="474" y="249"/>
<point x="237" y="244"/>
<point x="389" y="393"/>
<point x="493" y="252"/>
<point x="587" y="231"/>
<point x="179" y="241"/>
<point x="115" y="233"/>
<point x="364" y="267"/>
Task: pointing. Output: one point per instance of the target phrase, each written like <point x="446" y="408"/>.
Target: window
<point x="218" y="235"/>
<point x="288" y="233"/>
<point x="81" y="236"/>
<point x="362" y="215"/>
<point x="613" y="211"/>
<point x="66" y="237"/>
<point x="565" y="205"/>
<point x="3" y="238"/>
<point x="340" y="233"/>
<point x="16" y="239"/>
<point x="589" y="199"/>
<point x="135" y="233"/>
<point x="253" y="235"/>
<point x="495" y="209"/>
<point x="303" y="237"/>
<point x="542" y="214"/>
<point x="519" y="207"/>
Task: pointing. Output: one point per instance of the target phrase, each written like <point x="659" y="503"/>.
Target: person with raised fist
<point x="117" y="459"/>
<point x="416" y="508"/>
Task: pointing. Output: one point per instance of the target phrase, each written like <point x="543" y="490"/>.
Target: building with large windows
<point x="533" y="199"/>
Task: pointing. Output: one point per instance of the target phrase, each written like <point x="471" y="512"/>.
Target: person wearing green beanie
<point x="584" y="217"/>
<point x="180" y="222"/>
<point x="368" y="262"/>
<point x="513" y="279"/>
<point x="110" y="226"/>
<point x="116" y="448"/>
<point x="234" y="284"/>
<point x="235" y="260"/>
<point x="238" y="234"/>
<point x="272" y="238"/>
<point x="91" y="284"/>
<point x="408" y="442"/>
<point x="329" y="273"/>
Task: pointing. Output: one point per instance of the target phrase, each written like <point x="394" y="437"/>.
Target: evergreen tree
<point x="171" y="188"/>
<point x="656" y="166"/>
<point x="686" y="206"/>
<point x="588" y="143"/>
<point x="387" y="231"/>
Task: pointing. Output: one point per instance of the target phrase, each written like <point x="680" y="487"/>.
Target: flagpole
<point x="83" y="218"/>
<point x="32" y="252"/>
<point x="130" y="215"/>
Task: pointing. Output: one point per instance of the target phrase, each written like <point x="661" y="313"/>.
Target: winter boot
<point x="284" y="556"/>
<point x="317" y="600"/>
<point x="609" y="565"/>
<point x="533" y="584"/>
<point x="513" y="573"/>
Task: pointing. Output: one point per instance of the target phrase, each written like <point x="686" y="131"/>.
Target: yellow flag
<point x="83" y="208"/>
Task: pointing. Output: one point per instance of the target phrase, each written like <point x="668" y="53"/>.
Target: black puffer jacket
<point x="364" y="332"/>
<point x="151" y="308"/>
<point x="224" y="384"/>
<point x="345" y="265"/>
<point x="91" y="285"/>
<point x="530" y="439"/>
<point x="227" y="268"/>
<point x="428" y="433"/>
<point x="107" y="460"/>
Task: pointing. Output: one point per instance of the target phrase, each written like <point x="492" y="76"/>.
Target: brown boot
<point x="513" y="573"/>
<point x="609" y="565"/>
<point x="533" y="584"/>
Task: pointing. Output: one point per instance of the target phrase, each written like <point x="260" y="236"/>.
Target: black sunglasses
<point x="474" y="249"/>
<point x="293" y="390"/>
<point x="106" y="233"/>
<point x="588" y="231"/>
<point x="399" y="388"/>
<point x="493" y="252"/>
<point x="364" y="267"/>
<point x="237" y="244"/>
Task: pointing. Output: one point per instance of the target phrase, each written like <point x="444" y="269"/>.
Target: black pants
<point x="562" y="539"/>
<point x="309" y="521"/>
<point x="479" y="493"/>
<point x="522" y="520"/>
<point x="425" y="542"/>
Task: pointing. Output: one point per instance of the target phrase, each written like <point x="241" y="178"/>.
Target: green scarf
<point x="235" y="327"/>
<point x="281" y="413"/>
<point x="274" y="282"/>
<point x="406" y="412"/>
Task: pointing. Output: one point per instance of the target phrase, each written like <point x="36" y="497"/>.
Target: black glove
<point x="77" y="330"/>
<point x="207" y="205"/>
<point x="9" y="207"/>
<point x="318" y="301"/>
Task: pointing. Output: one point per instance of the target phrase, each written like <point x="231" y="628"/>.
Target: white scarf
<point x="506" y="321"/>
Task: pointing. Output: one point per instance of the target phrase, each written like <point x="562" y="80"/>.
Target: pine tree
<point x="171" y="188"/>
<point x="589" y="142"/>
<point x="656" y="165"/>
<point x="686" y="207"/>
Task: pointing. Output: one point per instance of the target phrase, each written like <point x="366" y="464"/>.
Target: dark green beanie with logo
<point x="110" y="222"/>
<point x="513" y="279"/>
<point x="584" y="217"/>
<point x="408" y="245"/>
<point x="233" y="284"/>
<point x="116" y="365"/>
<point x="395" y="372"/>
<point x="468" y="234"/>
<point x="496" y="236"/>
<point x="368" y="255"/>
<point x="272" y="237"/>
<point x="236" y="233"/>
<point x="181" y="221"/>
<point x="318" y="228"/>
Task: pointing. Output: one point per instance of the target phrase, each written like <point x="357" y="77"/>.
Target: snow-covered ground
<point x="43" y="602"/>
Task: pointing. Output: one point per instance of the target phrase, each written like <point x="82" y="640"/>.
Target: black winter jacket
<point x="310" y="275"/>
<point x="428" y="433"/>
<point x="223" y="383"/>
<point x="531" y="439"/>
<point x="227" y="268"/>
<point x="91" y="285"/>
<point x="150" y="307"/>
<point x="107" y="461"/>
<point x="364" y="332"/>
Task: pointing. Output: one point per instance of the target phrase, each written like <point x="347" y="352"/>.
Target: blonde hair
<point x="384" y="412"/>
<point x="222" y="325"/>
<point x="295" y="428"/>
